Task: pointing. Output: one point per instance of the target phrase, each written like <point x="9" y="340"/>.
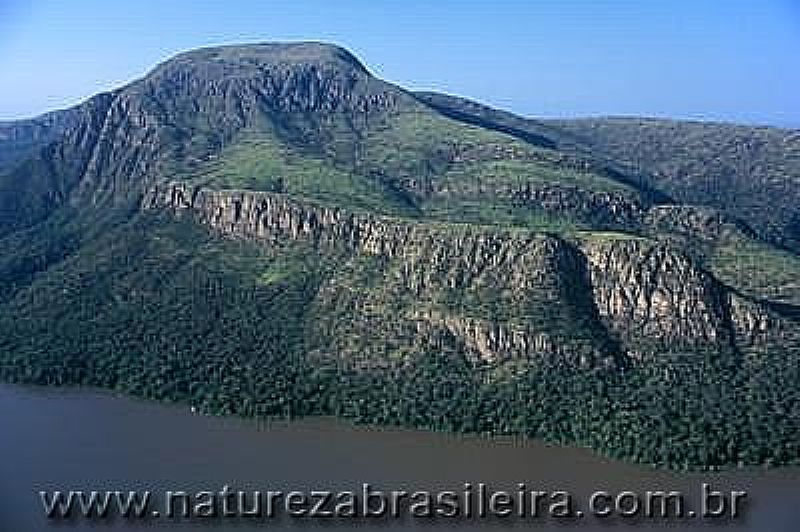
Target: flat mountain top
<point x="273" y="53"/>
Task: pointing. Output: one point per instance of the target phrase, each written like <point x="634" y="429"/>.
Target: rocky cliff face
<point x="645" y="296"/>
<point x="33" y="187"/>
<point x="652" y="292"/>
<point x="184" y="111"/>
<point x="695" y="222"/>
<point x="495" y="342"/>
<point x="503" y="294"/>
<point x="600" y="209"/>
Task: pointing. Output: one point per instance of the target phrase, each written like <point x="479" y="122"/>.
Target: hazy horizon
<point x="730" y="62"/>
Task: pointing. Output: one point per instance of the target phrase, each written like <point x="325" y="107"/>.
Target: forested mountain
<point x="271" y="230"/>
<point x="750" y="172"/>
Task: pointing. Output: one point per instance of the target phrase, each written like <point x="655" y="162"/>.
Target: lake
<point x="52" y="439"/>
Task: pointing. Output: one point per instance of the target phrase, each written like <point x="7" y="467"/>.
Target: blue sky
<point x="732" y="60"/>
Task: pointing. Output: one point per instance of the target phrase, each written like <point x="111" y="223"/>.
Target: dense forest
<point x="271" y="231"/>
<point x="153" y="315"/>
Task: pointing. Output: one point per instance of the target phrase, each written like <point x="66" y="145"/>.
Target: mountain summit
<point x="269" y="230"/>
<point x="271" y="54"/>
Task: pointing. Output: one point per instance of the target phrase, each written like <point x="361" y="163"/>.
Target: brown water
<point x="56" y="439"/>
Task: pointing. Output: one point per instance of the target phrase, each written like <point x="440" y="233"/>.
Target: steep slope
<point x="651" y="297"/>
<point x="720" y="190"/>
<point x="21" y="138"/>
<point x="271" y="230"/>
<point x="58" y="148"/>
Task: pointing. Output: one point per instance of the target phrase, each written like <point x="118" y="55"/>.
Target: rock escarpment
<point x="429" y="263"/>
<point x="695" y="222"/>
<point x="651" y="292"/>
<point x="184" y="111"/>
<point x="630" y="298"/>
<point x="600" y="209"/>
<point x="32" y="187"/>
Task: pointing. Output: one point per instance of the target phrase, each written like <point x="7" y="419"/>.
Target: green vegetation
<point x="165" y="311"/>
<point x="749" y="172"/>
<point x="499" y="213"/>
<point x="160" y="311"/>
<point x="381" y="169"/>
<point x="495" y="174"/>
<point x="477" y="321"/>
<point x="607" y="236"/>
<point x="759" y="270"/>
<point x="701" y="415"/>
<point x="422" y="145"/>
<point x="257" y="161"/>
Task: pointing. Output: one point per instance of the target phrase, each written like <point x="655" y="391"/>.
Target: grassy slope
<point x="261" y="162"/>
<point x="376" y="170"/>
<point x="759" y="270"/>
<point x="752" y="173"/>
<point x="422" y="144"/>
<point x="716" y="164"/>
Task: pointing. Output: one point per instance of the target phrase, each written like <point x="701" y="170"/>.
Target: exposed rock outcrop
<point x="647" y="295"/>
<point x="694" y="222"/>
<point x="32" y="188"/>
<point x="752" y="323"/>
<point x="602" y="209"/>
<point x="647" y="291"/>
<point x="494" y="341"/>
<point x="192" y="105"/>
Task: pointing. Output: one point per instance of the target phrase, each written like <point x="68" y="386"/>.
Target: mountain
<point x="706" y="174"/>
<point x="749" y="172"/>
<point x="270" y="230"/>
